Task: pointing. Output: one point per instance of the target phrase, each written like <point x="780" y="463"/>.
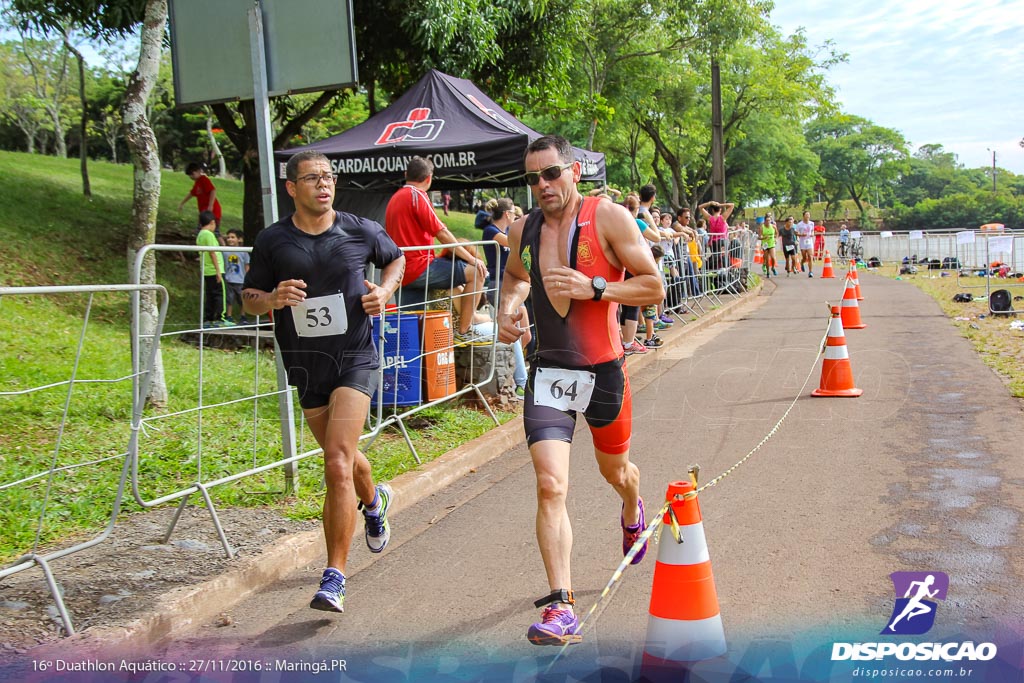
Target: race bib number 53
<point x="323" y="316"/>
<point x="563" y="389"/>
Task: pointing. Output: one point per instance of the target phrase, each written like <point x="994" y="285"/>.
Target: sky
<point x="948" y="72"/>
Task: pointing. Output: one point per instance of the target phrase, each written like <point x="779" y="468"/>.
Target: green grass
<point x="461" y="224"/>
<point x="1000" y="348"/>
<point x="54" y="235"/>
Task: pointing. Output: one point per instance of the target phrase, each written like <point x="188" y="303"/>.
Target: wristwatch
<point x="599" y="284"/>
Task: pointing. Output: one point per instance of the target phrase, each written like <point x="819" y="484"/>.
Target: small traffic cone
<point x="826" y="271"/>
<point x="758" y="255"/>
<point x="850" y="308"/>
<point x="836" y="372"/>
<point x="852" y="275"/>
<point x="685" y="624"/>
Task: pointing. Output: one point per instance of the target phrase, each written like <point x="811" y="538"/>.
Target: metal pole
<point x="993" y="171"/>
<point x="717" y="143"/>
<point x="257" y="48"/>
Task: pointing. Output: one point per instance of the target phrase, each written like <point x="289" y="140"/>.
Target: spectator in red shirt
<point x="411" y="222"/>
<point x="203" y="190"/>
<point x="819" y="241"/>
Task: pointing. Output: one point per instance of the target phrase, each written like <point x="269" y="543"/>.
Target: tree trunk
<point x="676" y="190"/>
<point x="60" y="147"/>
<point x="84" y="125"/>
<point x="860" y="206"/>
<point x="246" y="141"/>
<point x="252" y="194"/>
<point x="222" y="169"/>
<point x="146" y="176"/>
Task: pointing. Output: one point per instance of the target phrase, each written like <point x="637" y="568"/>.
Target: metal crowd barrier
<point x="970" y="254"/>
<point x="723" y="270"/>
<point x="423" y="304"/>
<point x="139" y="382"/>
<point x="693" y="286"/>
<point x="291" y="452"/>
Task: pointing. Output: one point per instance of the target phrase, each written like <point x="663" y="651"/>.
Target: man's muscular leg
<point x="554" y="532"/>
<point x="624" y="477"/>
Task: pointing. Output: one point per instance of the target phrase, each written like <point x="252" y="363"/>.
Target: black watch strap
<point x="560" y="595"/>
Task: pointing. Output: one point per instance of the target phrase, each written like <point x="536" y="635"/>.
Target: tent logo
<point x="417" y="128"/>
<point x="914" y="612"/>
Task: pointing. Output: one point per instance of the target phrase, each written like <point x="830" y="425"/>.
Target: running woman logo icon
<point x="914" y="612"/>
<point x="417" y="128"/>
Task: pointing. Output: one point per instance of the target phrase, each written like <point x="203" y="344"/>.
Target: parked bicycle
<point x="856" y="249"/>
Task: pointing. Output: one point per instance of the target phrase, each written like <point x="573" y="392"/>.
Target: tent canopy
<point x="472" y="141"/>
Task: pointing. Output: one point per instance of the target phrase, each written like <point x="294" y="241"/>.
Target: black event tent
<point x="472" y="141"/>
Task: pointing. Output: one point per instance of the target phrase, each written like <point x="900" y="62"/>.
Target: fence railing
<point x="979" y="259"/>
<point x="83" y="456"/>
<point x="265" y="437"/>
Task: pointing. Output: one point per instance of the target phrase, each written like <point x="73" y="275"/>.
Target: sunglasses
<point x="550" y="174"/>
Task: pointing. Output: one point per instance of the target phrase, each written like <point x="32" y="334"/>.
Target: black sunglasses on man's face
<point x="550" y="174"/>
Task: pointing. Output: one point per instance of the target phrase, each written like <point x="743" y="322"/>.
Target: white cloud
<point x="939" y="72"/>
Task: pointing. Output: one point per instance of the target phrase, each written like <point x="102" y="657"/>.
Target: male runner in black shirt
<point x="311" y="268"/>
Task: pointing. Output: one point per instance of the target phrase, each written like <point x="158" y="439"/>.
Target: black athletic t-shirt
<point x="335" y="261"/>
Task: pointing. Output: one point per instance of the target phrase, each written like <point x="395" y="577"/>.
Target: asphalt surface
<point x="921" y="473"/>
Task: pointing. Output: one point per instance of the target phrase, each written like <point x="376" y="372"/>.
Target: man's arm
<point x="680" y="230"/>
<point x="377" y="296"/>
<point x="446" y="237"/>
<point x="260" y="302"/>
<point x="651" y="234"/>
<point x="515" y="287"/>
<point x="213" y="198"/>
<point x="618" y="229"/>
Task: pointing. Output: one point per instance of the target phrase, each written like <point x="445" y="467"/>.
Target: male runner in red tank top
<point x="573" y="254"/>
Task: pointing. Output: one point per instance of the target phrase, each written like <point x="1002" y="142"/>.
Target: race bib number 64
<point x="323" y="316"/>
<point x="563" y="389"/>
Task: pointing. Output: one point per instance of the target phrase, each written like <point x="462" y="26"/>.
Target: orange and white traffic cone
<point x="836" y="372"/>
<point x="852" y="275"/>
<point x="850" y="308"/>
<point x="758" y="255"/>
<point x="685" y="624"/>
<point x="826" y="271"/>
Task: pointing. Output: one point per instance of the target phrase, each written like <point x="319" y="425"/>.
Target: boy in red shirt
<point x="204" y="192"/>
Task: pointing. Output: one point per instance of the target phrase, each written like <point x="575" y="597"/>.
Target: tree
<point x="243" y="135"/>
<point x="514" y="45"/>
<point x="929" y="173"/>
<point x="770" y="86"/>
<point x="109" y="19"/>
<point x="857" y="155"/>
<point x="83" y="126"/>
<point x="47" y="61"/>
<point x="20" y="105"/>
<point x="521" y="47"/>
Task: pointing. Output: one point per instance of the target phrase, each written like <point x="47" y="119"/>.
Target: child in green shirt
<point x="213" y="272"/>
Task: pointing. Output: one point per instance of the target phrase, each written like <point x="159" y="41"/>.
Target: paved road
<point x="920" y="473"/>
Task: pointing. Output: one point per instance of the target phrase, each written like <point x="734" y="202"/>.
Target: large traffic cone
<point x="836" y="372"/>
<point x="826" y="272"/>
<point x="685" y="624"/>
<point x="852" y="275"/>
<point x="850" y="308"/>
<point x="758" y="255"/>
